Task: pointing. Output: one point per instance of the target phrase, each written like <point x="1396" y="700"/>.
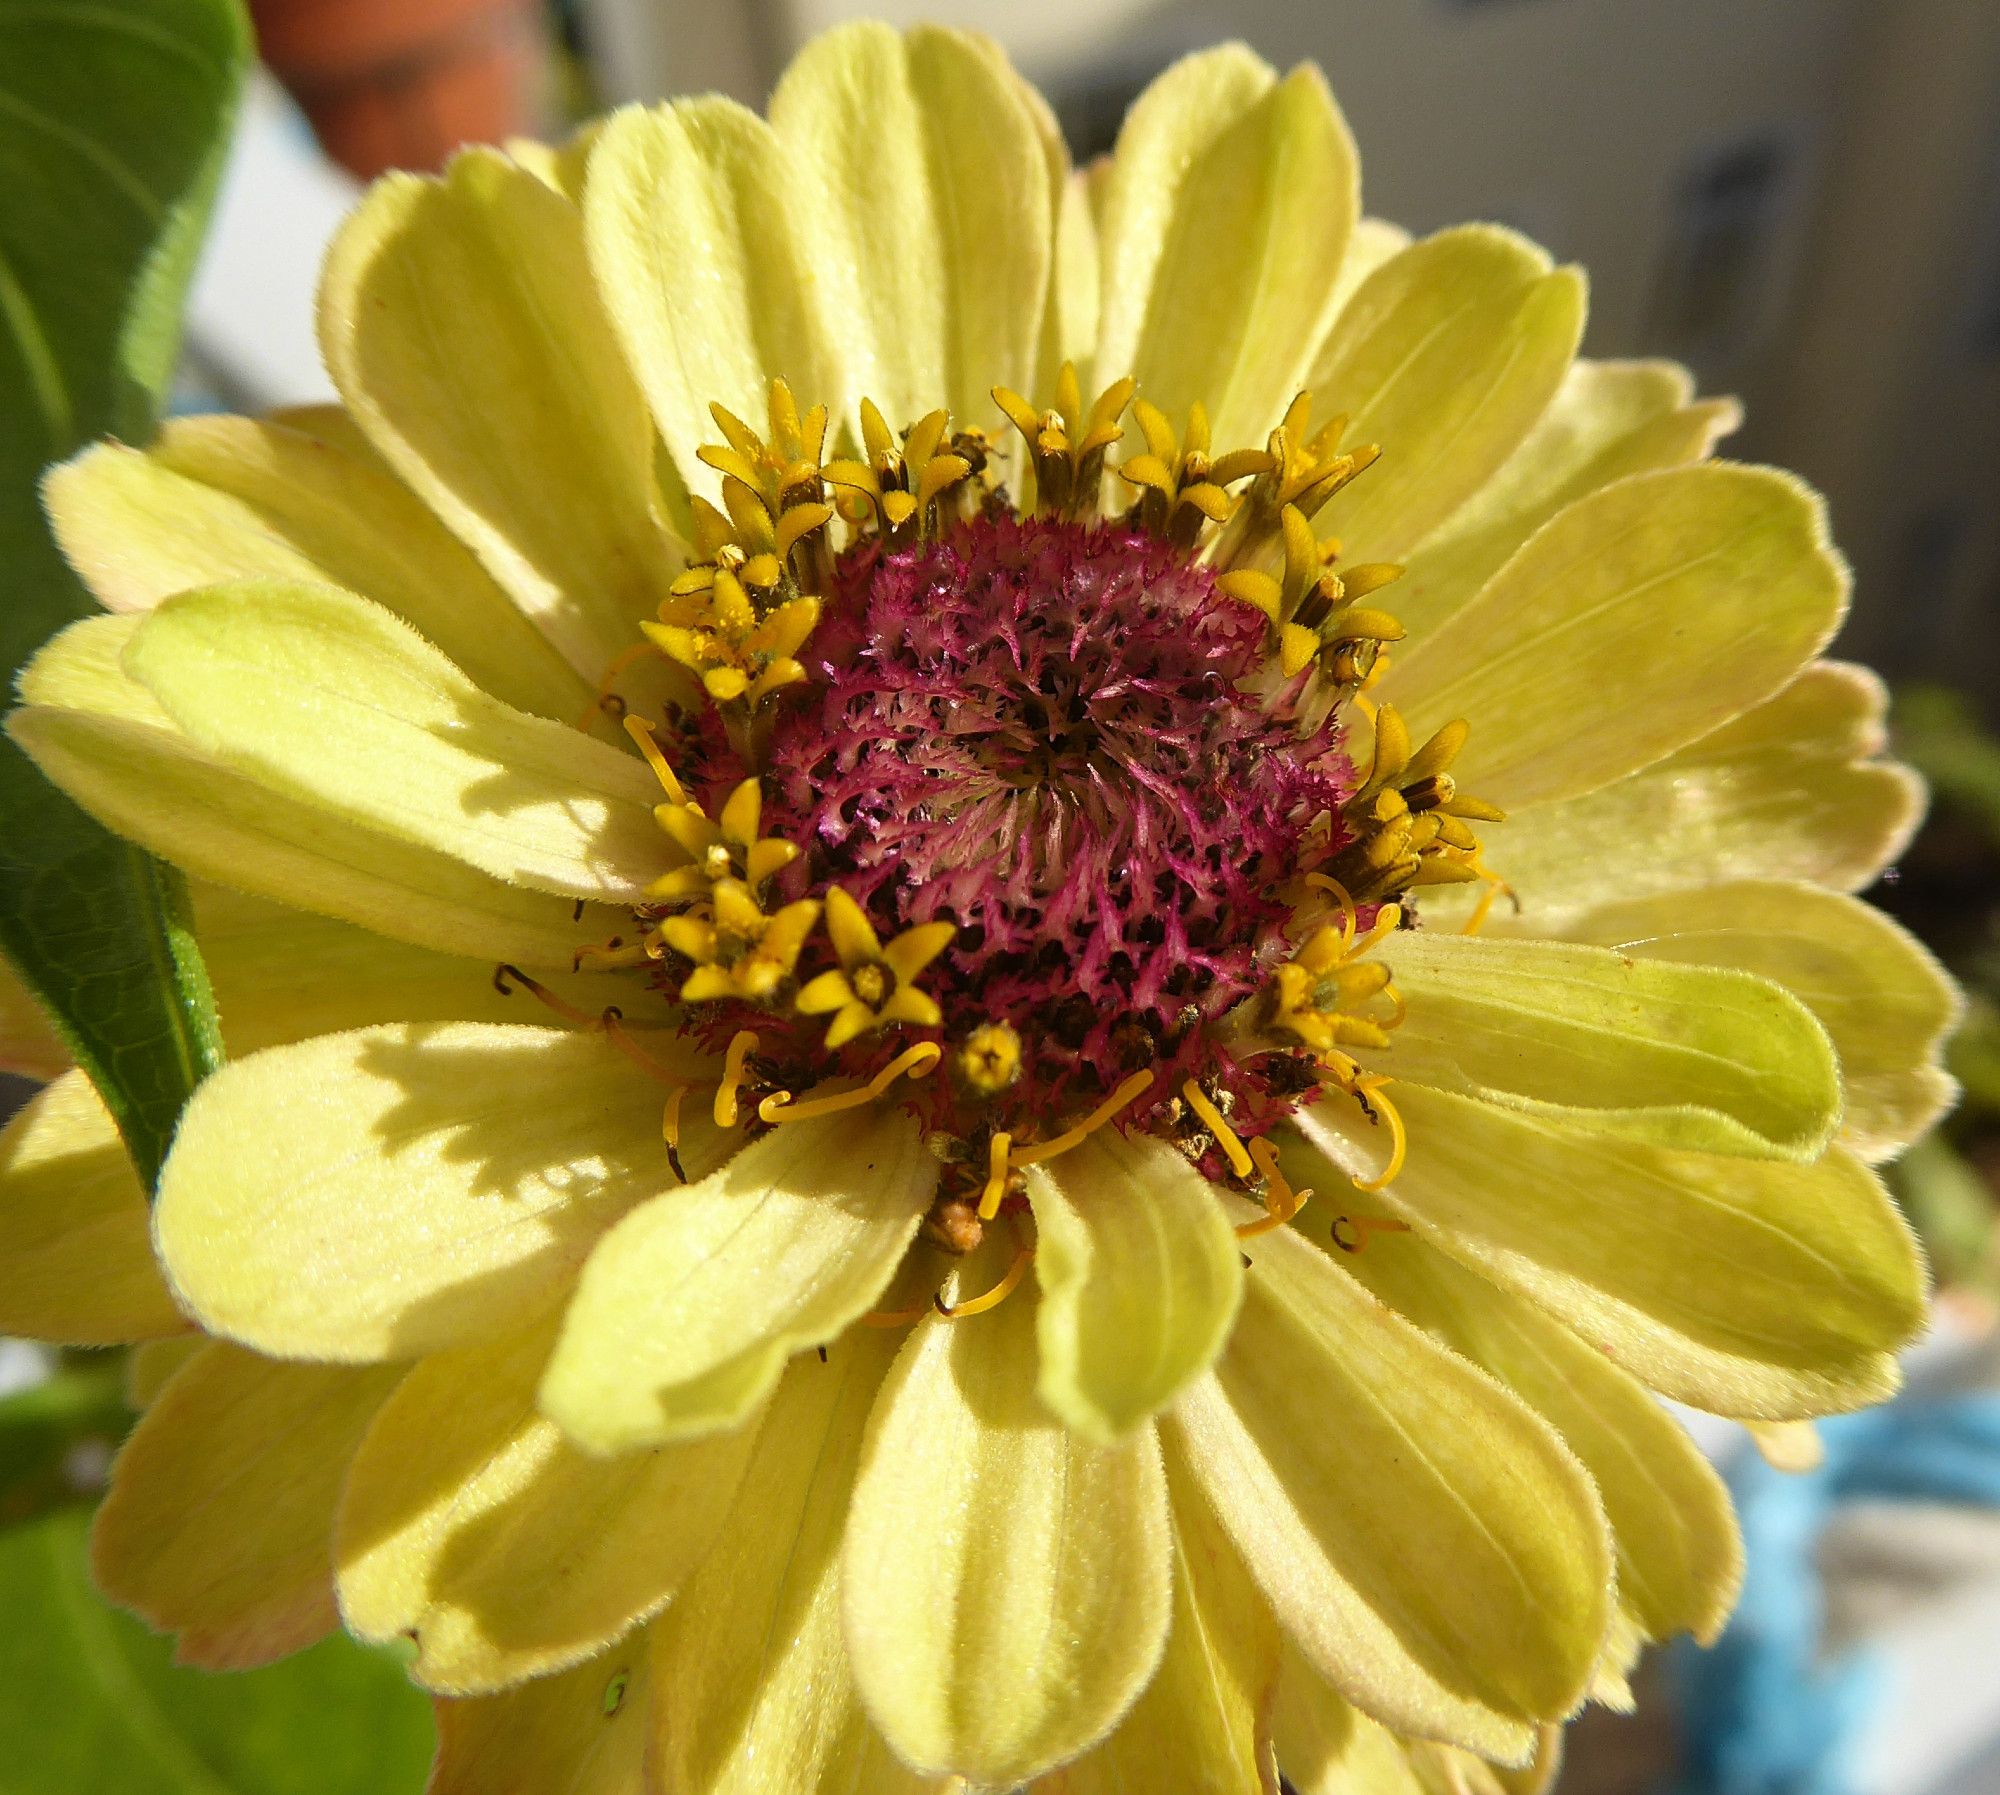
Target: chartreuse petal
<point x="1371" y="243"/>
<point x="222" y="498"/>
<point x="1882" y="998"/>
<point x="1140" y="1278"/>
<point x="1353" y="1460"/>
<point x="1069" y="329"/>
<point x="220" y="1511"/>
<point x="704" y="184"/>
<point x="443" y="1182"/>
<point x="689" y="1308"/>
<point x="399" y="739"/>
<point x="1680" y="1557"/>
<point x="105" y="739"/>
<point x="990" y="1548"/>
<point x="582" y="1731"/>
<point x="281" y="975"/>
<point x="1788" y="790"/>
<point x="751" y="1685"/>
<point x="1227" y="213"/>
<point x="1319" y="1737"/>
<point x="75" y="1234"/>
<point x="1674" y="1055"/>
<point x="459" y="320"/>
<point x="1607" y="420"/>
<point x="461" y="1483"/>
<point x="926" y="212"/>
<point x="1446" y="356"/>
<point x="1751" y="1287"/>
<point x="1206" y="1711"/>
<point x="1693" y="594"/>
<point x="29" y="1044"/>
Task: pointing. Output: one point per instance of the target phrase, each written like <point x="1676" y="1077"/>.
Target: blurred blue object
<point x="1764" y="1713"/>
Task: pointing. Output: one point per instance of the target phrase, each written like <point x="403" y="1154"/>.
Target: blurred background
<point x="1798" y="198"/>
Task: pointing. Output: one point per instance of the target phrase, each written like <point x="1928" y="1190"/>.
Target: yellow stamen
<point x="670" y="1130"/>
<point x="1075" y="1137"/>
<point x="741" y="1046"/>
<point x="895" y="1318"/>
<point x="535" y="988"/>
<point x="611" y="955"/>
<point x="605" y="697"/>
<point x="918" y="1061"/>
<point x="1342" y="897"/>
<point x="1281" y="1202"/>
<point x="1225" y="1137"/>
<point x="677" y="1086"/>
<point x="991" y="1299"/>
<point x="996" y="1175"/>
<point x="642" y="732"/>
<point x="1362" y="1226"/>
<point x="1399" y="1141"/>
<point x="1387" y="921"/>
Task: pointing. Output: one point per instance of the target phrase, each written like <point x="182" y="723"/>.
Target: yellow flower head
<point x="1042" y="1195"/>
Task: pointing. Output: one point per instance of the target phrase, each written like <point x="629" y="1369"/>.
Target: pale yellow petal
<point x="1446" y="357"/>
<point x="471" y="1526"/>
<point x="1230" y="202"/>
<point x="1750" y="1287"/>
<point x="1607" y="420"/>
<point x="440" y="1182"/>
<point x="1789" y="790"/>
<point x="218" y="1525"/>
<point x="1351" y="1458"/>
<point x="1371" y="243"/>
<point x="103" y="738"/>
<point x="1633" y="623"/>
<point x="459" y="320"/>
<point x="926" y="211"/>
<point x="1680" y="1557"/>
<point x="1070" y="327"/>
<point x="334" y="702"/>
<point x="1883" y="999"/>
<point x="752" y="1687"/>
<point x="690" y="1307"/>
<point x="1677" y="1055"/>
<point x="1320" y="1739"/>
<point x="74" y="1231"/>
<point x="1006" y="1582"/>
<point x="224" y="498"/>
<point x="1140" y="1279"/>
<point x="580" y="1731"/>
<point x="705" y="184"/>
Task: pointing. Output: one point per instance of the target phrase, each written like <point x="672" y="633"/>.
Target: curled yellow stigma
<point x="1217" y="1124"/>
<point x="995" y="1187"/>
<point x="1010" y="1281"/>
<point x="913" y="1062"/>
<point x="1127" y="1092"/>
<point x="735" y="1065"/>
<point x="1281" y="1202"/>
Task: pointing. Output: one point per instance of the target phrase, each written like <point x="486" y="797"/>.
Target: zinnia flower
<point x="880" y="759"/>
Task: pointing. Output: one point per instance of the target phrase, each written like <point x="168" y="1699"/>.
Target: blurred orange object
<point x="402" y="83"/>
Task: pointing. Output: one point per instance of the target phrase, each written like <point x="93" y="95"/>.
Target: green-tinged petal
<point x="104" y="739"/>
<point x="281" y="976"/>
<point x="1679" y="1554"/>
<point x="689" y="1308"/>
<point x="75" y="1235"/>
<point x="218" y="1524"/>
<point x="1006" y="1582"/>
<point x="705" y="184"/>
<point x="927" y="214"/>
<point x="29" y="1044"/>
<point x="752" y="1690"/>
<point x="1607" y="420"/>
<point x="1746" y="1286"/>
<point x="1427" y="1541"/>
<point x="222" y="498"/>
<point x="1446" y="357"/>
<point x="442" y="1182"/>
<point x="1631" y="624"/>
<point x="1681" y="1056"/>
<point x="581" y="1731"/>
<point x="1229" y="206"/>
<point x="335" y="702"/>
<point x="1883" y="999"/>
<point x="1371" y="243"/>
<point x="471" y="1526"/>
<point x="1789" y="790"/>
<point x="1204" y="1718"/>
<point x="460" y="322"/>
<point x="1140" y="1278"/>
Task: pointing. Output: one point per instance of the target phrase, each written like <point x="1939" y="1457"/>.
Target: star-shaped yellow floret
<point x="1318" y="993"/>
<point x="875" y="985"/>
<point x="900" y="481"/>
<point x="738" y="950"/>
<point x="727" y="847"/>
<point x="1181" y="488"/>
<point x="1316" y="613"/>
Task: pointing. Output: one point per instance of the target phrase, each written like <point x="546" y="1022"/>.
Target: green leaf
<point x="89" y="1699"/>
<point x="114" y="121"/>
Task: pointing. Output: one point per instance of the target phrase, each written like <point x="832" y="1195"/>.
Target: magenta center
<point x="1058" y="737"/>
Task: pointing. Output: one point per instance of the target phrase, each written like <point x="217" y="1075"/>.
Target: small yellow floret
<point x="874" y="985"/>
